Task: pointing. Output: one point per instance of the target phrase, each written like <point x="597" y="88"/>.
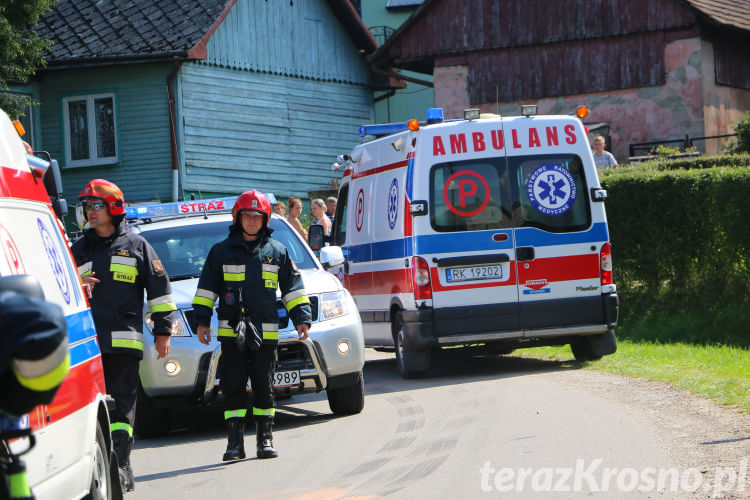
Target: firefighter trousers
<point x="121" y="379"/>
<point x="238" y="365"/>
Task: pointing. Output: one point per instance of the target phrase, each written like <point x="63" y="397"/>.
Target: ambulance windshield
<point x="548" y="192"/>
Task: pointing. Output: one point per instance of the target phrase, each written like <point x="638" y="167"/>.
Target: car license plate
<point x="489" y="272"/>
<point x="282" y="379"/>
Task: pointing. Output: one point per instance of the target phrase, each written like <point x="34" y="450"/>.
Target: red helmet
<point x="107" y="191"/>
<point x="254" y="201"/>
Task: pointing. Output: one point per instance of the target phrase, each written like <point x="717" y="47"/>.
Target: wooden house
<point x="672" y="71"/>
<point x="172" y="98"/>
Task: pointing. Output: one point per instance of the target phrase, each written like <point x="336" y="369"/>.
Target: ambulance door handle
<point x="524" y="253"/>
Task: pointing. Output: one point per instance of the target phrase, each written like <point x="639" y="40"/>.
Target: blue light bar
<point x="382" y="129"/>
<point x="435" y="115"/>
<point x="188" y="207"/>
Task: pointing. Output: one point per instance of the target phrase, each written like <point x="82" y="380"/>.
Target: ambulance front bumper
<point x="499" y="322"/>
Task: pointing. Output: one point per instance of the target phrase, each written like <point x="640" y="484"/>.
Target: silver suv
<point x="331" y="359"/>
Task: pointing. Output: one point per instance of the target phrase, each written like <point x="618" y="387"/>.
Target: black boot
<point x="235" y="439"/>
<point x="123" y="444"/>
<point x="264" y="437"/>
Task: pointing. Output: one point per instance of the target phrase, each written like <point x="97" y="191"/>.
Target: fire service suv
<point x="486" y="233"/>
<point x="70" y="440"/>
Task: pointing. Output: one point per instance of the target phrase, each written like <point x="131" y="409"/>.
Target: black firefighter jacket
<point x="235" y="271"/>
<point x="126" y="265"/>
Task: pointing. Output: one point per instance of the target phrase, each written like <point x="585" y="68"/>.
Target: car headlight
<point x="333" y="305"/>
<point x="179" y="329"/>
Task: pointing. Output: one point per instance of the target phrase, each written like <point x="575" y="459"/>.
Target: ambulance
<point x="68" y="455"/>
<point x="486" y="233"/>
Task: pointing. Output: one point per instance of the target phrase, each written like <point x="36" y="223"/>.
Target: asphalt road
<point x="476" y="428"/>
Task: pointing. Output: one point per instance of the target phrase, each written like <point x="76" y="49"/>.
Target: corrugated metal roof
<point x="734" y="13"/>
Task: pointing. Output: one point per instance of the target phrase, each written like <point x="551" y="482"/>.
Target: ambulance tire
<point x="411" y="362"/>
<point x="101" y="479"/>
<point x="593" y="347"/>
<point x="347" y="400"/>
<point x="150" y="421"/>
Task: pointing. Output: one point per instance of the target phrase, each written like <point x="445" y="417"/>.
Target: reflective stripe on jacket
<point x="233" y="269"/>
<point x="126" y="265"/>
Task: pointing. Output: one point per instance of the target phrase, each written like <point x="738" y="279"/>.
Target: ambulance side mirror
<point x="315" y="237"/>
<point x="331" y="256"/>
<point x="598" y="194"/>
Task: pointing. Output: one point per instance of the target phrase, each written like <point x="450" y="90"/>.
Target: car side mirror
<point x="315" y="237"/>
<point x="331" y="256"/>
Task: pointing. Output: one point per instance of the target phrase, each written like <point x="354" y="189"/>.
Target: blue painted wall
<point x="144" y="170"/>
<point x="282" y="93"/>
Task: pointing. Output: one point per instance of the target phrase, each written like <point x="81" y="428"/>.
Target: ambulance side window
<point x="339" y="219"/>
<point x="551" y="193"/>
<point x="470" y="195"/>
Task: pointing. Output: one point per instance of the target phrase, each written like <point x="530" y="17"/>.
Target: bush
<point x="680" y="238"/>
<point x="696" y="162"/>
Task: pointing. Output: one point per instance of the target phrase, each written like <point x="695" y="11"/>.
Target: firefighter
<point x="34" y="357"/>
<point x="117" y="266"/>
<point x="243" y="272"/>
<point x="34" y="360"/>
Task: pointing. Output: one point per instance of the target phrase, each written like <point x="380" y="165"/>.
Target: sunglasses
<point x="94" y="205"/>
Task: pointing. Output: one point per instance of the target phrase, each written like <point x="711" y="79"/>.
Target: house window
<point x="90" y="132"/>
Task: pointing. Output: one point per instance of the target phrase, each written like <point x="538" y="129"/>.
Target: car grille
<point x="293" y="356"/>
<point x="283" y="316"/>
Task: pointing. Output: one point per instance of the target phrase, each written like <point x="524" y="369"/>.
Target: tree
<point x="742" y="127"/>
<point x="21" y="49"/>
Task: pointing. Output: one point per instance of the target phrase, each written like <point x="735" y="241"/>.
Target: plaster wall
<point x="451" y="90"/>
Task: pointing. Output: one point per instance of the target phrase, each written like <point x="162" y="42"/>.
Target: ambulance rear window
<point x="552" y="192"/>
<point x="470" y="195"/>
<point x="548" y="192"/>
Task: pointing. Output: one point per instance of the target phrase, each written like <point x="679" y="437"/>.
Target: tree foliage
<point x="742" y="127"/>
<point x="21" y="49"/>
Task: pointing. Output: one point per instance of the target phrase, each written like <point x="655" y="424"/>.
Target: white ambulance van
<point x="486" y="233"/>
<point x="71" y="454"/>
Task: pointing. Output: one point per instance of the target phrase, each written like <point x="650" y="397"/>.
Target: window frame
<point x="93" y="159"/>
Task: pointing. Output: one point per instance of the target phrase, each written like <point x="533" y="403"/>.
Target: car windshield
<point x="183" y="250"/>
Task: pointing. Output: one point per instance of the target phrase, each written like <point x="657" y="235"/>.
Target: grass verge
<point x="718" y="372"/>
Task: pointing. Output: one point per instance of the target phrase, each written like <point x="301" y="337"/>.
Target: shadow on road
<point x="381" y="375"/>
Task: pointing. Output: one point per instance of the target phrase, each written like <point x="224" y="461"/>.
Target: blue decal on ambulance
<point x="393" y="204"/>
<point x="551" y="189"/>
<point x="531" y="292"/>
<point x="55" y="261"/>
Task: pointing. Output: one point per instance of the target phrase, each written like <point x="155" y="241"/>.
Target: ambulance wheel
<point x="101" y="487"/>
<point x="347" y="400"/>
<point x="411" y="362"/>
<point x="150" y="421"/>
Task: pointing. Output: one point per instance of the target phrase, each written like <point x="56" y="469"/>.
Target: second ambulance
<point x="486" y="233"/>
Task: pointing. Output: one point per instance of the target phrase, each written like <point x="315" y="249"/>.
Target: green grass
<point x="718" y="372"/>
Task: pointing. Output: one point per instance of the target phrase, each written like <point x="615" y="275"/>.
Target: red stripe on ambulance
<point x="79" y="389"/>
